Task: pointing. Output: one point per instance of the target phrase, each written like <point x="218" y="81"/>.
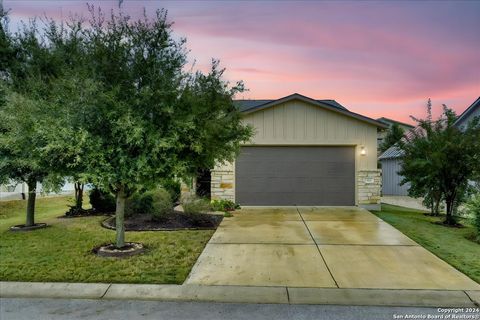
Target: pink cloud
<point x="377" y="58"/>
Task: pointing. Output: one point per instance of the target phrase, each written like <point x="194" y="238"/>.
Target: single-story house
<point x="304" y="152"/>
<point x="391" y="159"/>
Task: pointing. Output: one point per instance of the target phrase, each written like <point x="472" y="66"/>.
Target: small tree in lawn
<point x="423" y="183"/>
<point x="394" y="134"/>
<point x="21" y="157"/>
<point x="439" y="159"/>
<point x="150" y="116"/>
<point x="26" y="71"/>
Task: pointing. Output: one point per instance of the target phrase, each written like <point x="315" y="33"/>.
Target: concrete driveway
<point x="324" y="247"/>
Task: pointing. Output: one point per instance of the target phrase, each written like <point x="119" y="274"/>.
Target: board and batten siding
<point x="391" y="179"/>
<point x="299" y="123"/>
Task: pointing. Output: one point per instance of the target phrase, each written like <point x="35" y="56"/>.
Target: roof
<point x="246" y="105"/>
<point x="389" y="121"/>
<point x="249" y="106"/>
<point x="391" y="153"/>
<point x="474" y="106"/>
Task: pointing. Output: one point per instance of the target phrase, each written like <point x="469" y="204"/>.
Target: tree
<point x="71" y="98"/>
<point x="151" y="117"/>
<point x="439" y="159"/>
<point x="68" y="144"/>
<point x="26" y="70"/>
<point x="394" y="134"/>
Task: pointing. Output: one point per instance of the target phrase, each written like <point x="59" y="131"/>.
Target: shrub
<point x="224" y="205"/>
<point x="473" y="207"/>
<point x="140" y="202"/>
<point x="102" y="201"/>
<point x="154" y="202"/>
<point x="174" y="189"/>
<point x="194" y="205"/>
<point x="161" y="202"/>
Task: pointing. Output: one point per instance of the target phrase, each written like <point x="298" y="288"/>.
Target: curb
<point x="242" y="294"/>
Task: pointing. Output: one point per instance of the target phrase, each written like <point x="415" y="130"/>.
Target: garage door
<point x="323" y="176"/>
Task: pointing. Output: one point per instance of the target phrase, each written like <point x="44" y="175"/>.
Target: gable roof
<point x="464" y="116"/>
<point x="249" y="106"/>
<point x="246" y="105"/>
<point x="389" y="121"/>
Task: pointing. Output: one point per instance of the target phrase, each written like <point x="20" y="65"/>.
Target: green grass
<point x="449" y="244"/>
<point x="62" y="252"/>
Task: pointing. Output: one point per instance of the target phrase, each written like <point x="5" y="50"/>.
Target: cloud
<point x="378" y="58"/>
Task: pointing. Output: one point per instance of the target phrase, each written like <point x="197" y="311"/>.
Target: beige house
<point x="304" y="152"/>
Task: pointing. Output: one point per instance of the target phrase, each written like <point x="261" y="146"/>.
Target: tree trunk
<point x="437" y="207"/>
<point x="449" y="217"/>
<point x="32" y="193"/>
<point x="79" y="194"/>
<point x="120" y="217"/>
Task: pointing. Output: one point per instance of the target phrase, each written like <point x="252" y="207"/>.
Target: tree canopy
<point x="439" y="159"/>
<point x="394" y="134"/>
<point x="27" y="70"/>
<point x="117" y="104"/>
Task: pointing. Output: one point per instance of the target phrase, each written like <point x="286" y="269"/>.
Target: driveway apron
<point x="322" y="247"/>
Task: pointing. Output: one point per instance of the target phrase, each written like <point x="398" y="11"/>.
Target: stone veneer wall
<point x="223" y="182"/>
<point x="369" y="186"/>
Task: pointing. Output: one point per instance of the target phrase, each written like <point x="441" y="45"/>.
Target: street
<point x="51" y="309"/>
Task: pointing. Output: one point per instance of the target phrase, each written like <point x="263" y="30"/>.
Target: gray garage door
<point x="323" y="176"/>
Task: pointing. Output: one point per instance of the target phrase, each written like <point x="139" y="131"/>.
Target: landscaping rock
<point x="110" y="250"/>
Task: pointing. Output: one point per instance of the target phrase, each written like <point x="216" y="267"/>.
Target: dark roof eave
<point x="395" y="121"/>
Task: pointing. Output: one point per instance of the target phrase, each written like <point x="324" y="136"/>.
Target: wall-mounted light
<point x="363" y="151"/>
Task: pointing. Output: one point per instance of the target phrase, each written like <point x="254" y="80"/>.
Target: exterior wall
<point x="223" y="182"/>
<point x="368" y="188"/>
<point x="299" y="123"/>
<point x="296" y="123"/>
<point x="391" y="179"/>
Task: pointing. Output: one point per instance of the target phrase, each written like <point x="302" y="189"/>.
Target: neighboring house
<point x="469" y="114"/>
<point x="390" y="122"/>
<point x="391" y="159"/>
<point x="304" y="152"/>
<point x="19" y="190"/>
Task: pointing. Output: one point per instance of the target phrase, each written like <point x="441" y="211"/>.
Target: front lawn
<point x="62" y="252"/>
<point x="450" y="244"/>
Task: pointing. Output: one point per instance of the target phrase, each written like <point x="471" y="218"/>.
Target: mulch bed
<point x="174" y="221"/>
<point x="77" y="213"/>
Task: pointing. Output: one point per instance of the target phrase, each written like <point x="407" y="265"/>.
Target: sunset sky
<point x="376" y="58"/>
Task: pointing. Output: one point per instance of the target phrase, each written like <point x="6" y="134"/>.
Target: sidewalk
<point x="242" y="294"/>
